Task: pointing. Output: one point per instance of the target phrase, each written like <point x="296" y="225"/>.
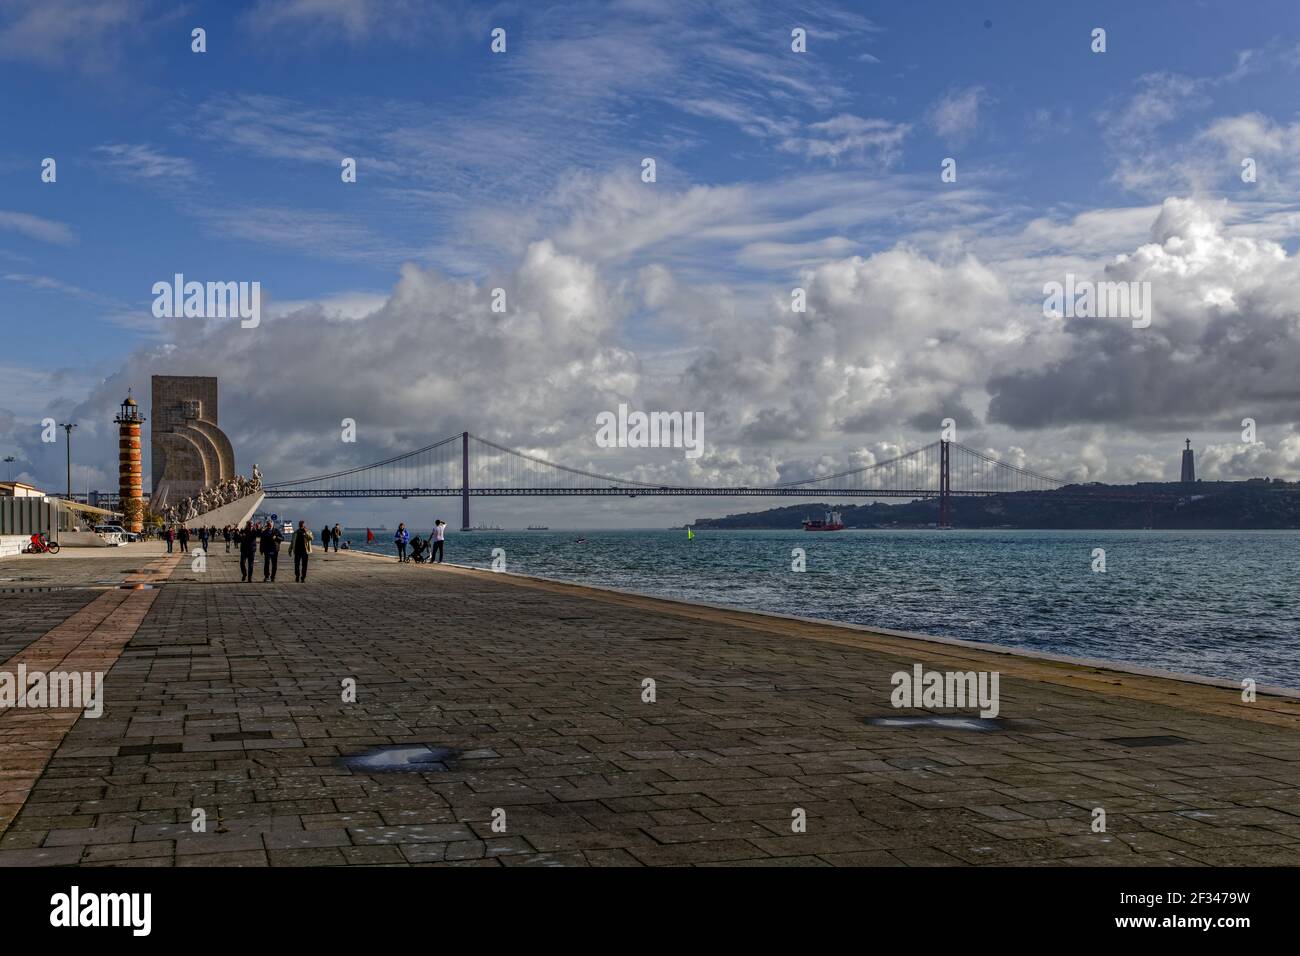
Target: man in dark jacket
<point x="247" y="548"/>
<point x="301" y="548"/>
<point x="271" y="539"/>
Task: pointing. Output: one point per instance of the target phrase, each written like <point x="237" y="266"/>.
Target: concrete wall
<point x="27" y="516"/>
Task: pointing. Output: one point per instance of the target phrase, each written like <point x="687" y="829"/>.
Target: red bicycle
<point x="39" y="545"/>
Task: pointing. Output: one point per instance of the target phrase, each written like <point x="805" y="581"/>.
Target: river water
<point x="1217" y="604"/>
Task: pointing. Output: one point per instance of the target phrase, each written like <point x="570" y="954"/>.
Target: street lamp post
<point x="9" y="460"/>
<point x="68" y="428"/>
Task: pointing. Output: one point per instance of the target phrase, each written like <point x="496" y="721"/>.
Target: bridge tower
<point x="945" y="486"/>
<point x="464" y="481"/>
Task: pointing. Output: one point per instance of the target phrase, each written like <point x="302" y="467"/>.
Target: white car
<point x="117" y="529"/>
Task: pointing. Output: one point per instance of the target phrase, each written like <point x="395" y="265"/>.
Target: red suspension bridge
<point x="466" y="466"/>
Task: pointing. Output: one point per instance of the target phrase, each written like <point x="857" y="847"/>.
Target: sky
<point x="774" y="170"/>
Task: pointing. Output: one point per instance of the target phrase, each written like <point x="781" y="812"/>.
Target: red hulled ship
<point x="831" y="522"/>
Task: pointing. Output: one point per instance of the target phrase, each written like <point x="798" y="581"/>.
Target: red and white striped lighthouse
<point x="130" y="482"/>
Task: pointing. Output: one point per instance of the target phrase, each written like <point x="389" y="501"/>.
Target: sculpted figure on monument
<point x="225" y="492"/>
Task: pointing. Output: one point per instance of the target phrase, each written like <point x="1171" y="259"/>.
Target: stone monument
<point x="190" y="454"/>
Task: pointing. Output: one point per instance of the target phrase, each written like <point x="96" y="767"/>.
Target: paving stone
<point x="227" y="699"/>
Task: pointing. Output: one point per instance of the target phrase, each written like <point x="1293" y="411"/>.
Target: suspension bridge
<point x="467" y="466"/>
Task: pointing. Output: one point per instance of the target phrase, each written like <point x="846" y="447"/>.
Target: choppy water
<point x="1219" y="604"/>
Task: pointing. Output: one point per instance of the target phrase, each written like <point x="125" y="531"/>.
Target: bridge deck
<point x="225" y="696"/>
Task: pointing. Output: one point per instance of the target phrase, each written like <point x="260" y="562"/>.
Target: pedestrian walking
<point x="325" y="538"/>
<point x="247" y="548"/>
<point x="400" y="539"/>
<point x="335" y="534"/>
<point x="439" y="533"/>
<point x="301" y="548"/>
<point x="226" y="533"/>
<point x="203" y="539"/>
<point x="270" y="545"/>
<point x="171" y="537"/>
<point x="185" y="539"/>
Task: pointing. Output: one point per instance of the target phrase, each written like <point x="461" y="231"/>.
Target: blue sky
<point x="775" y="169"/>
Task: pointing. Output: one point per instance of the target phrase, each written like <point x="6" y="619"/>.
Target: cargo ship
<point x="831" y="522"/>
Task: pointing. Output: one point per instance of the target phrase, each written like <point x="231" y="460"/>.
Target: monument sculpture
<point x="190" y="453"/>
<point x="226" y="492"/>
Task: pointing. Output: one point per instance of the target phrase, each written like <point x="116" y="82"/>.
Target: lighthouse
<point x="130" y="486"/>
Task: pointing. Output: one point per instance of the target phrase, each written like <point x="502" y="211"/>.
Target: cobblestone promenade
<point x="528" y="741"/>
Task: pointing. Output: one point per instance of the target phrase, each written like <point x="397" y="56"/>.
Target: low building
<point x="18" y="489"/>
<point x="25" y="510"/>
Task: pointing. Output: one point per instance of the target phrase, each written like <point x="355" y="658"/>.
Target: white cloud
<point x="850" y="137"/>
<point x="88" y="34"/>
<point x="956" y="115"/>
<point x="1232" y="462"/>
<point x="1222" y="343"/>
<point x="145" y="162"/>
<point x="360" y="21"/>
<point x="34" y="227"/>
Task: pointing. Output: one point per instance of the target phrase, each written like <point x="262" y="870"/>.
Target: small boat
<point x="831" y="522"/>
<point x="538" y="527"/>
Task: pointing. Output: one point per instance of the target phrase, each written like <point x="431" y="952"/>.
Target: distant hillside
<point x="1219" y="505"/>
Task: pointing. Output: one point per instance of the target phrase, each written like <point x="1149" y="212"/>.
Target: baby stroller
<point x="418" y="549"/>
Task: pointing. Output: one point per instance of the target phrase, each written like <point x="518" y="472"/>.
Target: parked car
<point x="115" y="529"/>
